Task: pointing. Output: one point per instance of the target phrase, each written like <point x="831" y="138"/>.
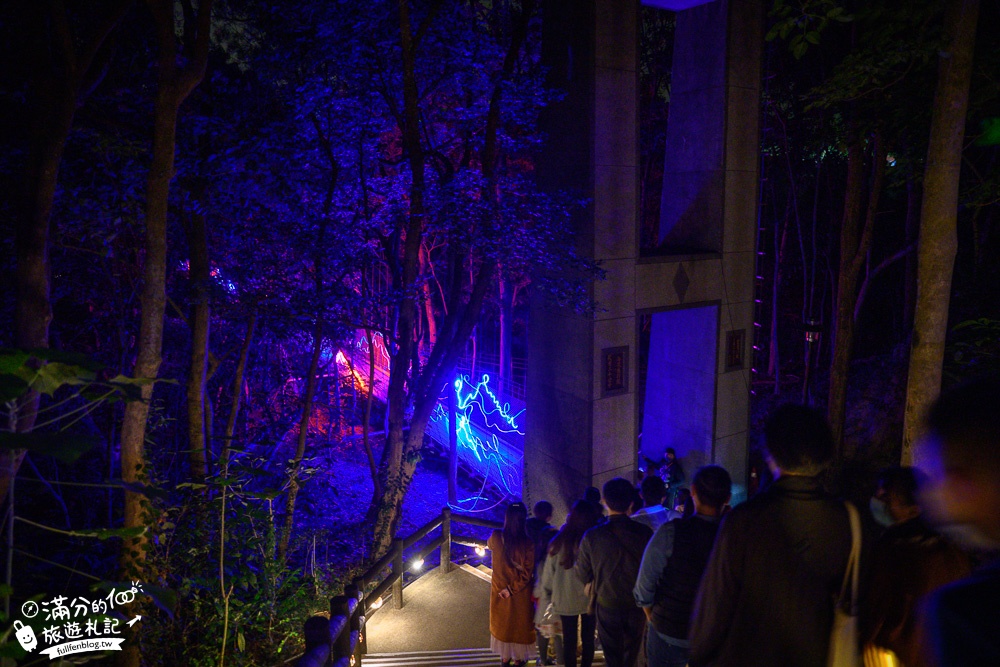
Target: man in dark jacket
<point x="609" y="560"/>
<point x="779" y="559"/>
<point x="672" y="567"/>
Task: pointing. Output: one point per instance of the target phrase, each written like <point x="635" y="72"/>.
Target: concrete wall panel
<point x="614" y="117"/>
<point x="615" y="197"/>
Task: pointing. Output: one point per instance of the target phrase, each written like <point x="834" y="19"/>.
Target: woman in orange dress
<point x="512" y="628"/>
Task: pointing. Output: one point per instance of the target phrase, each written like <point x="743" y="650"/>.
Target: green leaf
<point x="125" y="380"/>
<point x="191" y="485"/>
<point x="991" y="132"/>
<point x="241" y="642"/>
<point x="108" y="533"/>
<point x="51" y="376"/>
<point x="11" y="360"/>
<point x="812" y="37"/>
<point x="146" y="490"/>
<point x="12" y="649"/>
<point x="63" y="447"/>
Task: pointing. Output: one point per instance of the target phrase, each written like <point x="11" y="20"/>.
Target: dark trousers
<point x="663" y="654"/>
<point x="621" y="633"/>
<point x="587" y="623"/>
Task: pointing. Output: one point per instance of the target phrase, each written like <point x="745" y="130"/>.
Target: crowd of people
<point x="665" y="579"/>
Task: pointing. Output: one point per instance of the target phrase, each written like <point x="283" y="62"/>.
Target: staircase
<point x="470" y="657"/>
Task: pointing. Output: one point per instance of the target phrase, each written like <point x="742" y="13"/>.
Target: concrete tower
<point x="692" y="298"/>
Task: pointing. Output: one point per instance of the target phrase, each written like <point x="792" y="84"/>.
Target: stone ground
<point x="440" y="612"/>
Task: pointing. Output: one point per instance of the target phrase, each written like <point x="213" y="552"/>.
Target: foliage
<point x="803" y="23"/>
<point x="268" y="601"/>
<point x="46" y="372"/>
<point x="973" y="349"/>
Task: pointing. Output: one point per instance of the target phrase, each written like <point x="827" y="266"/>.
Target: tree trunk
<point x="427" y="303"/>
<point x="912" y="229"/>
<point x="366" y="427"/>
<point x="300" y="445"/>
<point x="385" y="509"/>
<point x="58" y="88"/>
<point x="173" y="86"/>
<point x="234" y="408"/>
<point x="853" y="250"/>
<point x="506" y="328"/>
<point x="400" y="454"/>
<point x="198" y="275"/>
<point x="938" y="219"/>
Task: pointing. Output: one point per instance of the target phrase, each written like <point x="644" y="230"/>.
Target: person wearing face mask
<point x="960" y="453"/>
<point x="908" y="561"/>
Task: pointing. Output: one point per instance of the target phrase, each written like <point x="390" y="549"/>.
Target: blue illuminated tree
<point x="438" y="103"/>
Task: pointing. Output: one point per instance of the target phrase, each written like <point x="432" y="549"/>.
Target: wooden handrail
<point x="422" y="532"/>
<point x="394" y="557"/>
<point x="339" y="633"/>
<point x="344" y="631"/>
<point x="468" y="541"/>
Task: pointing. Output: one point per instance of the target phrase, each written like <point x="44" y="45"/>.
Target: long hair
<point x="515" y="537"/>
<point x="582" y="517"/>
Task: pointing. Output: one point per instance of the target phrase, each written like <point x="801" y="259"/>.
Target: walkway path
<point x="440" y="612"/>
<point x="444" y="622"/>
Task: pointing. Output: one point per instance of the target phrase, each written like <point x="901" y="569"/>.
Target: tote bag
<point x="844" y="651"/>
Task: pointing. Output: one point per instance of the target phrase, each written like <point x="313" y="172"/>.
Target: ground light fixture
<point x="417" y="565"/>
<point x="480" y="551"/>
<point x="377" y="603"/>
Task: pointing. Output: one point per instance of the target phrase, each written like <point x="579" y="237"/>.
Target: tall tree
<point x="413" y="384"/>
<point x="62" y="75"/>
<point x="856" y="234"/>
<point x="938" y="236"/>
<point x="199" y="274"/>
<point x="175" y="81"/>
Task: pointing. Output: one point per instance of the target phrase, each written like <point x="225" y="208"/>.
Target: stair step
<point x="473" y="657"/>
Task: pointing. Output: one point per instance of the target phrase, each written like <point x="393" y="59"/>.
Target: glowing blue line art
<point x="474" y="399"/>
<point x="489" y="422"/>
<point x="489" y="433"/>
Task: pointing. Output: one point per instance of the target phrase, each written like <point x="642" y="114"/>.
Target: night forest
<point x="246" y="244"/>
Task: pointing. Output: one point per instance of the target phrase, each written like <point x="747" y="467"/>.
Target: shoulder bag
<point x="844" y="650"/>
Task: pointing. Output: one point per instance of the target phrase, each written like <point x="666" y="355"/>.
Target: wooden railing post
<point x="397" y="573"/>
<point x="361" y="585"/>
<point x="446" y="545"/>
<point x="340" y="644"/>
<point x="357" y="624"/>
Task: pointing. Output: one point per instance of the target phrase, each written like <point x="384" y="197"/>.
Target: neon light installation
<point x="490" y="436"/>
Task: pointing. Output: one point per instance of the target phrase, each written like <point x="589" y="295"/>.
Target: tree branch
<point x="883" y="265"/>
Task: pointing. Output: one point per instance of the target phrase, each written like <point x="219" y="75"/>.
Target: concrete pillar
<point x="581" y="430"/>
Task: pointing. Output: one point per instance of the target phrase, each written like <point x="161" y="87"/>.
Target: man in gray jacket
<point x="609" y="560"/>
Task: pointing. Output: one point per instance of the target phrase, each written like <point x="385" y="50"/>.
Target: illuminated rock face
<point x="685" y="312"/>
